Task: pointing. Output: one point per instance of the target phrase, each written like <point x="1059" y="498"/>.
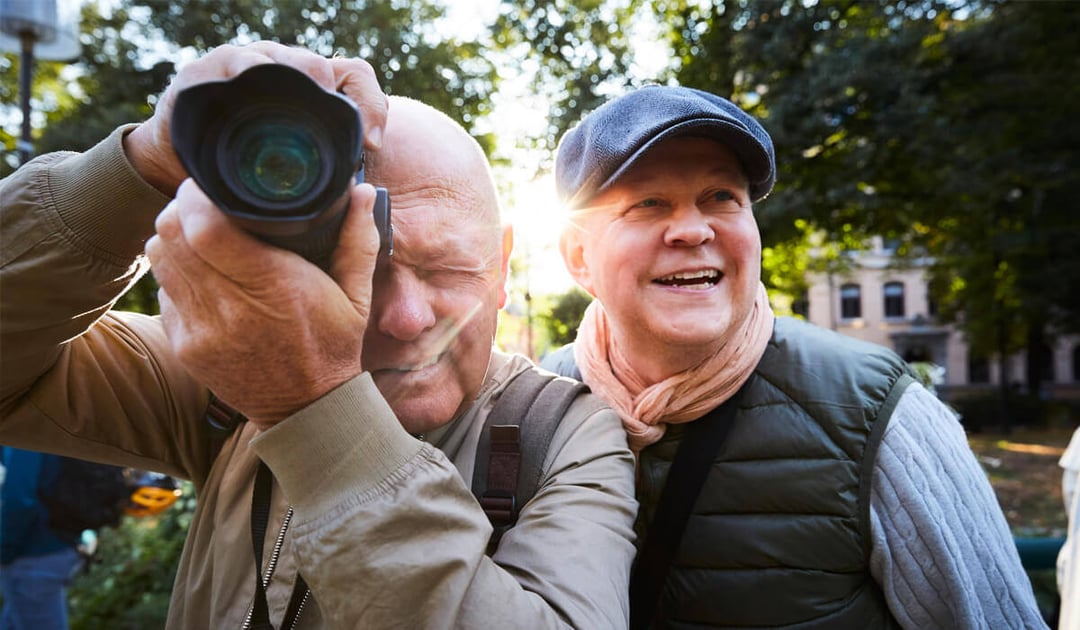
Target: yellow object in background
<point x="153" y="494"/>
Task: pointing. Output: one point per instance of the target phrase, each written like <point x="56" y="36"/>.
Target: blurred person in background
<point x="1068" y="564"/>
<point x="37" y="561"/>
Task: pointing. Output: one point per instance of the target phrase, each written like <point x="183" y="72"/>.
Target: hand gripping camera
<point x="277" y="153"/>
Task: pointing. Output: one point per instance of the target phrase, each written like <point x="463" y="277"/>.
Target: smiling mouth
<point x="692" y="279"/>
<point x="417" y="367"/>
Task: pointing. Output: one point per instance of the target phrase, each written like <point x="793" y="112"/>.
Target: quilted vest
<point x="780" y="535"/>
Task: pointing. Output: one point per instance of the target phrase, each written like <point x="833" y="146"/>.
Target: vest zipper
<point x="271" y="565"/>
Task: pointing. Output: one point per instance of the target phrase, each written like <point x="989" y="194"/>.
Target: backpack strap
<point x="512" y="448"/>
<point x="223" y="420"/>
<point x="514" y="442"/>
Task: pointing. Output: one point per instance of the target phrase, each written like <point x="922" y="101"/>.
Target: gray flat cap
<point x="595" y="153"/>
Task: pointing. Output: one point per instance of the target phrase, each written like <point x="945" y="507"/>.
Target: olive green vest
<point x="780" y="535"/>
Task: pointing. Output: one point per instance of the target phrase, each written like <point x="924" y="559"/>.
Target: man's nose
<point x="688" y="226"/>
<point x="403" y="307"/>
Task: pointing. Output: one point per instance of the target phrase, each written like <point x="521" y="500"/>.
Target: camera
<point x="277" y="153"/>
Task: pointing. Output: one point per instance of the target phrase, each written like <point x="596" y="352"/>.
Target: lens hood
<point x="209" y="117"/>
<point x="277" y="153"/>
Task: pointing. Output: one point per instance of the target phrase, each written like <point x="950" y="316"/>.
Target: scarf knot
<point x="646" y="409"/>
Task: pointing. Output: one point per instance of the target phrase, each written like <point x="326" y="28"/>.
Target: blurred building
<point x="878" y="301"/>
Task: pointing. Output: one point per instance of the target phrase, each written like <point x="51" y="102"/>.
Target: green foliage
<point x="141" y="298"/>
<point x="129" y="582"/>
<point x="575" y="49"/>
<point x="785" y="264"/>
<point x="562" y="319"/>
<point x="953" y="126"/>
<point x="129" y="55"/>
<point x="400" y="41"/>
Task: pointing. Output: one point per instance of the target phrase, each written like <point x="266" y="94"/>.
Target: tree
<point x="574" y="51"/>
<point x="951" y="125"/>
<point x="1015" y="135"/>
<point x="129" y="55"/>
<point x="561" y="321"/>
<point x="399" y="40"/>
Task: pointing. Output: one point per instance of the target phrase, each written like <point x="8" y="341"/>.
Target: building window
<point x="850" y="301"/>
<point x="1076" y="363"/>
<point x="1046" y="364"/>
<point x="894" y="299"/>
<point x="978" y="370"/>
<point x="801" y="306"/>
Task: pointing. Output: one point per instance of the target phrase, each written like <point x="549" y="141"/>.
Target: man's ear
<point x="504" y="267"/>
<point x="572" y="248"/>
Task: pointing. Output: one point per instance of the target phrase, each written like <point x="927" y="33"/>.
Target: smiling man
<point x="835" y="491"/>
<point x="342" y="502"/>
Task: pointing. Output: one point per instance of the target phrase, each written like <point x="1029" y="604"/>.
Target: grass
<point x="1023" y="469"/>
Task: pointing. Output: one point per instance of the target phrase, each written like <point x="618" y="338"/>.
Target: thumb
<point x="353" y="263"/>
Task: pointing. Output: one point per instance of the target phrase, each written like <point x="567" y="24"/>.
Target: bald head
<point x="424" y="149"/>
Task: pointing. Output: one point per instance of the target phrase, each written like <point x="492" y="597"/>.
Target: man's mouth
<point x="702" y="279"/>
<point x="416" y="367"/>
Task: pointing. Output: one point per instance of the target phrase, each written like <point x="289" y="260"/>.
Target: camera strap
<point x="260" y="518"/>
<point x="693" y="459"/>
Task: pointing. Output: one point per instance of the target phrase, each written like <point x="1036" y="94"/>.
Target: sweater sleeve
<point x="942" y="550"/>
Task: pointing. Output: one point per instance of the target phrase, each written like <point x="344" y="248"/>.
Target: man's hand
<point x="149" y="146"/>
<point x="267" y="331"/>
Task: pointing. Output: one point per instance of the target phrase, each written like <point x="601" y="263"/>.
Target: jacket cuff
<point x="100" y="196"/>
<point x="343" y="444"/>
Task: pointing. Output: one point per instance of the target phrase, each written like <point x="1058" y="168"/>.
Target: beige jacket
<point x="385" y="531"/>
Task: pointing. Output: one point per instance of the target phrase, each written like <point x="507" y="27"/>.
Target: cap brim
<point x="754" y="158"/>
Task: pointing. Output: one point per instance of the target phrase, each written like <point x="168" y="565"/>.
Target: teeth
<point x="710" y="274"/>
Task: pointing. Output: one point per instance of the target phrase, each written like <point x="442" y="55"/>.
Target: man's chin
<point x="421" y="418"/>
<point x="420" y="404"/>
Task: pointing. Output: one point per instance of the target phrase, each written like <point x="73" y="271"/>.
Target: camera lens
<point x="276" y="160"/>
<point x="277" y="153"/>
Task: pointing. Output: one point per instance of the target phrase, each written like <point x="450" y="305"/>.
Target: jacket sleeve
<point x="942" y="550"/>
<point x="391" y="517"/>
<point x="75" y="377"/>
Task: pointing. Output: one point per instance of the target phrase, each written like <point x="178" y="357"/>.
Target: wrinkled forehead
<point x="444" y="219"/>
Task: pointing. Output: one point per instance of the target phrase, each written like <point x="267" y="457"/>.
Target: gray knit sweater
<point x="942" y="550"/>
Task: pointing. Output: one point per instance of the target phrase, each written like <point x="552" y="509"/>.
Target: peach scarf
<point x="646" y="409"/>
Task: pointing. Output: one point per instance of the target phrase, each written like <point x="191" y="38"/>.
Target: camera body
<point x="277" y="153"/>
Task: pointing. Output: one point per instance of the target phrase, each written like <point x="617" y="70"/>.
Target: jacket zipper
<point x="299" y="611"/>
<point x="271" y="565"/>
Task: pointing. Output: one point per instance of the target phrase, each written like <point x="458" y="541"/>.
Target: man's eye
<point x="723" y="195"/>
<point x="648" y="203"/>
